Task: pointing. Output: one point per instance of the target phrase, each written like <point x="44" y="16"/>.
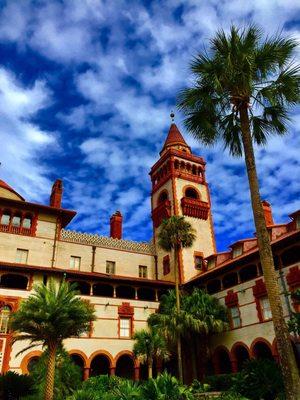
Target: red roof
<point x="174" y="137"/>
<point x="4" y="185"/>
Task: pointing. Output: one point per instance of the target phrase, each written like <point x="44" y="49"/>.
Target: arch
<point x="104" y="353"/>
<point x="248" y="273"/>
<point x="79" y="362"/>
<point x="221" y="360"/>
<point x="80" y="354"/>
<point x="194" y="169"/>
<point x="125" y="365"/>
<point x="291" y="256"/>
<point x="163" y="196"/>
<point x="104" y="290"/>
<point x="14" y="281"/>
<point x="6" y="217"/>
<point x="26" y="360"/>
<point x="16" y="220"/>
<point x="213" y="286"/>
<point x="83" y="287"/>
<point x="146" y="294"/>
<point x="100" y="365"/>
<point x="27" y="221"/>
<point x="240" y="354"/>
<point x="230" y="280"/>
<point x="125" y="292"/>
<point x="261" y="349"/>
<point x="191" y="193"/>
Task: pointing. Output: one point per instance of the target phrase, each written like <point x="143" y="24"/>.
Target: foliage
<point x="198" y="387"/>
<point x="239" y="69"/>
<point x="51" y="314"/>
<point x="13" y="386"/>
<point x="125" y="390"/>
<point x="231" y="396"/>
<point x="294" y="322"/>
<point x="101" y="384"/>
<point x="150" y="345"/>
<point x="260" y="379"/>
<point x="175" y="231"/>
<point x="67" y="375"/>
<point x="223" y="382"/>
<point x="166" y="387"/>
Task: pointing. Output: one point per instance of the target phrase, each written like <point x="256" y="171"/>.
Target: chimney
<point x="56" y="194"/>
<point x="116" y="221"/>
<point x="268" y="213"/>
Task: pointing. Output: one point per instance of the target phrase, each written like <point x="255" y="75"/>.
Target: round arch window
<point x="191" y="193"/>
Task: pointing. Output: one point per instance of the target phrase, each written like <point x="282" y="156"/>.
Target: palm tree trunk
<point x="179" y="351"/>
<point x="287" y="358"/>
<point x="150" y="373"/>
<point x="194" y="356"/>
<point x="49" y="384"/>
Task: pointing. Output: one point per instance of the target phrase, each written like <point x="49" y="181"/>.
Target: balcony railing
<point x="194" y="208"/>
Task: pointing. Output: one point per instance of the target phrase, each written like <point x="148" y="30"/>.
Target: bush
<point x="260" y="379"/>
<point x="13" y="386"/>
<point x="221" y="383"/>
<point x="231" y="396"/>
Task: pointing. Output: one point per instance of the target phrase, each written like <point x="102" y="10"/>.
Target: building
<point x="125" y="279"/>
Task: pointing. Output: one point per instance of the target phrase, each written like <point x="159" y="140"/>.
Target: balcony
<point x="161" y="212"/>
<point x="194" y="208"/>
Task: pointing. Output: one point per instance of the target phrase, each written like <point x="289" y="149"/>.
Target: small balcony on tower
<point x="161" y="212"/>
<point x="192" y="206"/>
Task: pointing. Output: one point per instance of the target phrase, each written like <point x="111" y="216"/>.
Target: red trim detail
<point x="231" y="299"/>
<point x="194" y="208"/>
<point x="293" y="277"/>
<point x="259" y="291"/>
<point x="125" y="309"/>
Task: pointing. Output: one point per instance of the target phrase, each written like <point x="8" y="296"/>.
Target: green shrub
<point x="231" y="396"/>
<point x="198" y="387"/>
<point x="13" y="386"/>
<point x="101" y="384"/>
<point x="221" y="383"/>
<point x="260" y="379"/>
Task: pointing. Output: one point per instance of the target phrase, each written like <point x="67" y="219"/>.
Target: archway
<point x="240" y="354"/>
<point x="221" y="361"/>
<point x="79" y="361"/>
<point x="14" y="281"/>
<point x="32" y="363"/>
<point x="100" y="365"/>
<point x="83" y="287"/>
<point x="125" y="292"/>
<point x="125" y="366"/>
<point x="262" y="350"/>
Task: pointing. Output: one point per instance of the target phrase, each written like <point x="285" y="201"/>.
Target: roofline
<point x="10" y="189"/>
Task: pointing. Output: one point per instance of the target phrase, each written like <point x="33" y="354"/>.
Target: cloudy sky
<point x="86" y="89"/>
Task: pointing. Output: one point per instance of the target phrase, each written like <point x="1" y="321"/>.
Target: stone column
<point x="86" y="373"/>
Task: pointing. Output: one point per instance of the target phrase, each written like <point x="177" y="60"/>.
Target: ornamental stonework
<point x="107" y="242"/>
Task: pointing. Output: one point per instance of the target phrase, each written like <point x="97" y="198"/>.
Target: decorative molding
<point x="231" y="299"/>
<point x="161" y="212"/>
<point x="293" y="278"/>
<point x="107" y="242"/>
<point x="126" y="309"/>
<point x="194" y="208"/>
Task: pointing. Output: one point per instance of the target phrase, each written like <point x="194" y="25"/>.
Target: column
<point x="136" y="293"/>
<point x="115" y="292"/>
<point x="86" y="373"/>
<point x="136" y="373"/>
<point x="112" y="371"/>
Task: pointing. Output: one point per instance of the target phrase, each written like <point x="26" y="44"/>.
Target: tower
<point x="179" y="187"/>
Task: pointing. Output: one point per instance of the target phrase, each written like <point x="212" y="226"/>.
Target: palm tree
<point x="176" y="233"/>
<point x="150" y="345"/>
<point x="212" y="318"/>
<point x="50" y="315"/>
<point x="243" y="88"/>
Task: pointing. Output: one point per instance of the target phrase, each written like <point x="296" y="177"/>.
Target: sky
<point x="86" y="89"/>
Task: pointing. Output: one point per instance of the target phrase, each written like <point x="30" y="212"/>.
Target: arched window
<point x="230" y="280"/>
<point x="5" y="219"/>
<point x="194" y="170"/>
<point x="27" y="222"/>
<point x="191" y="193"/>
<point x="248" y="273"/>
<point x="163" y="197"/>
<point x="16" y="221"/>
<point x="5" y="313"/>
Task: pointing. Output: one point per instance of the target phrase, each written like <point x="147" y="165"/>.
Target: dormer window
<point x="237" y="251"/>
<point x="211" y="263"/>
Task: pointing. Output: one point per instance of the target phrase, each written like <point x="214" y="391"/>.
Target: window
<point x="198" y="261"/>
<point x="211" y="263"/>
<point x="237" y="251"/>
<point x="27" y="222"/>
<point x="22" y="256"/>
<point x="4" y="319"/>
<point x="191" y="193"/>
<point x="265" y="308"/>
<point x="75" y="262"/>
<point x="235" y="318"/>
<point x="125" y="330"/>
<point x="298" y="222"/>
<point x="5" y="219"/>
<point x="16" y="221"/>
<point x="143" y="273"/>
<point x="166" y="265"/>
<point x="110" y="267"/>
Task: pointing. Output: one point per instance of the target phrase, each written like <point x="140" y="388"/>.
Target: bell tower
<point x="179" y="187"/>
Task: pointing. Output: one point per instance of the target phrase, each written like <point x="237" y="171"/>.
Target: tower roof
<point x="174" y="139"/>
<point x="6" y="189"/>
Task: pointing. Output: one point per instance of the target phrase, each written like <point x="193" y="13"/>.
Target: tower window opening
<point x="27" y="222"/>
<point x="176" y="164"/>
<point x="163" y="197"/>
<point x="194" y="170"/>
<point x="191" y="193"/>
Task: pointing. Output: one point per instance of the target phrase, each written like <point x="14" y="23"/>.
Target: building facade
<point x="125" y="279"/>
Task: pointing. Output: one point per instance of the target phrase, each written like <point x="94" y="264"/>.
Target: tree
<point x="212" y="318"/>
<point x="50" y="315"/>
<point x="244" y="86"/>
<point x="176" y="233"/>
<point x="150" y="345"/>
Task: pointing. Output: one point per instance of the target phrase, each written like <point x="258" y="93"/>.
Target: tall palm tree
<point x="176" y="233"/>
<point x="212" y="317"/>
<point x="150" y="345"/>
<point x="244" y="86"/>
<point x="50" y="315"/>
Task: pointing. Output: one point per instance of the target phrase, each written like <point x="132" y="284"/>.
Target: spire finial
<point x="172" y="115"/>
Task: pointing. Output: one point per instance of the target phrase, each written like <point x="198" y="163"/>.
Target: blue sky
<point x="86" y="89"/>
